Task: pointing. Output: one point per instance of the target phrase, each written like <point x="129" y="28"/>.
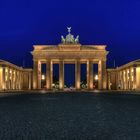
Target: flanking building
<point x="13" y="77"/>
<point x="125" y="77"/>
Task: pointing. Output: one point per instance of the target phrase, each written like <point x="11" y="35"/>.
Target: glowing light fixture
<point x="43" y="77"/>
<point x="96" y="77"/>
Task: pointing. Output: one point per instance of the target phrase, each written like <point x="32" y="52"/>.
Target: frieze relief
<point x="70" y="55"/>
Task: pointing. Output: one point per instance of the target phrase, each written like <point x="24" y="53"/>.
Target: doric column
<point x="89" y="74"/>
<point x="11" y="72"/>
<point x="20" y="87"/>
<point x="37" y="75"/>
<point x="8" y="78"/>
<point x="102" y="74"/>
<point x="3" y="79"/>
<point x="22" y="80"/>
<point x="121" y="80"/>
<point x="108" y="81"/>
<point x="134" y="78"/>
<point x="61" y="74"/>
<point x="30" y="80"/>
<point x="48" y="74"/>
<point x="120" y="85"/>
<point x="19" y="79"/>
<point x="117" y="80"/>
<point x="12" y="81"/>
<point x="15" y="74"/>
<point x="15" y="78"/>
<point x="51" y="73"/>
<point x="5" y="69"/>
<point x="126" y="78"/>
<point x="77" y="74"/>
<point x="130" y="78"/>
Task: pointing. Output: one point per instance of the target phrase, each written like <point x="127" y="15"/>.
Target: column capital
<point x="61" y="60"/>
<point x="48" y="59"/>
<point x="35" y="60"/>
<point x="78" y="59"/>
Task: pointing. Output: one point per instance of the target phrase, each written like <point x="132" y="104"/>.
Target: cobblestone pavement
<point x="71" y="116"/>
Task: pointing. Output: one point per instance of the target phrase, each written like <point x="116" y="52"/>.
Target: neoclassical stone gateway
<point x="13" y="77"/>
<point x="70" y="51"/>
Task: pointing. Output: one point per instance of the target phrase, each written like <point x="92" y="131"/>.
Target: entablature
<point x="72" y="55"/>
<point x="69" y="47"/>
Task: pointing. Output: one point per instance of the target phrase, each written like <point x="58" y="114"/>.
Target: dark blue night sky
<point x="24" y="23"/>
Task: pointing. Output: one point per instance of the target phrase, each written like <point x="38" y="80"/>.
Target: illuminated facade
<point x="126" y="77"/>
<point x="70" y="51"/>
<point x="13" y="77"/>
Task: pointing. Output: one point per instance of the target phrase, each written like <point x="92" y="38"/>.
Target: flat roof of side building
<point x="8" y="64"/>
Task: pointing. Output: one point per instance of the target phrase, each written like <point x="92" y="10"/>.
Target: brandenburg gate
<point x="70" y="51"/>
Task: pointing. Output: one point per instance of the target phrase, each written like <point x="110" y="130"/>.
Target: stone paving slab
<point x="70" y="116"/>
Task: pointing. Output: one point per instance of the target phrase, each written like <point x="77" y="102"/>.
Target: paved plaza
<point x="70" y="116"/>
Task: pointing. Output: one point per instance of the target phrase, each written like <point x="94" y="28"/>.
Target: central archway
<point x="69" y="75"/>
